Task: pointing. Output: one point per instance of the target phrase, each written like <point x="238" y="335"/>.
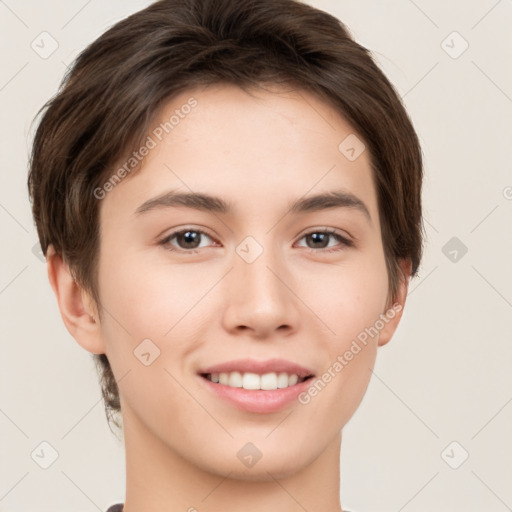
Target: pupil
<point x="322" y="237"/>
<point x="190" y="236"/>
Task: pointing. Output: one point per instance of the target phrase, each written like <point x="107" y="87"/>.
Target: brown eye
<point x="187" y="240"/>
<point x="319" y="240"/>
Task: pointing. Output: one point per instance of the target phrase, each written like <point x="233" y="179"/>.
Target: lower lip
<point x="257" y="400"/>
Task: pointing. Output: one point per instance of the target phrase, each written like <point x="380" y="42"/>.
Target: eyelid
<point x="324" y="229"/>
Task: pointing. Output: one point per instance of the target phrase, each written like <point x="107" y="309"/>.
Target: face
<point x="187" y="285"/>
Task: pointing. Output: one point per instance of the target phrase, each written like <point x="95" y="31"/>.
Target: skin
<point x="295" y="301"/>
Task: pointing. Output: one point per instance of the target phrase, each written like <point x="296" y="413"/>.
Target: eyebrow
<point x="206" y="202"/>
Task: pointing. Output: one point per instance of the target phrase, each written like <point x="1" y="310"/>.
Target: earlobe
<point x="76" y="309"/>
<point x="393" y="314"/>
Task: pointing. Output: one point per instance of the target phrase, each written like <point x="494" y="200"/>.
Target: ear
<point x="76" y="307"/>
<point x="395" y="308"/>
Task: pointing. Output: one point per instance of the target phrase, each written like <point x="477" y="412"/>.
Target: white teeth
<point x="281" y="380"/>
<point x="235" y="380"/>
<point x="268" y="381"/>
<point x="292" y="380"/>
<point x="251" y="381"/>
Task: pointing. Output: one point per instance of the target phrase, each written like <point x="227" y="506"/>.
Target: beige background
<point x="446" y="376"/>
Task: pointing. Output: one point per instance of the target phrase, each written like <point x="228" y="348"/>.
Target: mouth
<point x="254" y="381"/>
<point x="257" y="386"/>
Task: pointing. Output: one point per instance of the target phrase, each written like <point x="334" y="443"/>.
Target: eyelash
<point x="345" y="242"/>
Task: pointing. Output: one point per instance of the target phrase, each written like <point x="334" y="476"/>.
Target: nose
<point x="261" y="298"/>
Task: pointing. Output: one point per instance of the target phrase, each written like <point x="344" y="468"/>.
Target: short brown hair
<point x="120" y="82"/>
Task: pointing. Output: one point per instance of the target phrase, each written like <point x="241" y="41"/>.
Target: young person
<point x="228" y="195"/>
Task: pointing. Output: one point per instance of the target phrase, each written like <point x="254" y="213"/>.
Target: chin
<point x="274" y="465"/>
<point x="261" y="472"/>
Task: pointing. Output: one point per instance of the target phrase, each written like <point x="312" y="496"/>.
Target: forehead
<point x="253" y="148"/>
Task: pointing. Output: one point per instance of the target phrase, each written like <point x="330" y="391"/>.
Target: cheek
<point x="349" y="303"/>
<point x="347" y="296"/>
<point x="147" y="330"/>
<point x="349" y="300"/>
<point x="150" y="300"/>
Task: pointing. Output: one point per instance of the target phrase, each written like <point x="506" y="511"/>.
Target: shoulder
<point x="118" y="507"/>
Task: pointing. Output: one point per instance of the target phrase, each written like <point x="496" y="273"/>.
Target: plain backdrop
<point x="433" y="431"/>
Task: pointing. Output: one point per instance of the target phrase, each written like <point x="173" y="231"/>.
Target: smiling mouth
<point x="253" y="381"/>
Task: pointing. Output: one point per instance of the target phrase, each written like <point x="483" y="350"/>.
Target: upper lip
<point x="259" y="367"/>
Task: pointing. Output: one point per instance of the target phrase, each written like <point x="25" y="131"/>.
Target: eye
<point x="320" y="240"/>
<point x="188" y="240"/>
